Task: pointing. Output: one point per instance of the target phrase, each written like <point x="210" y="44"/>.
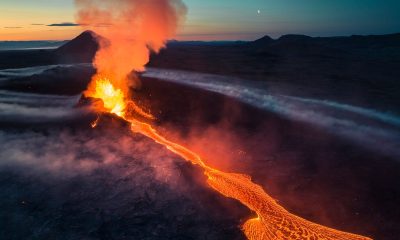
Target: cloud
<point x="64" y="24"/>
<point x="37" y="24"/>
<point x="12" y="27"/>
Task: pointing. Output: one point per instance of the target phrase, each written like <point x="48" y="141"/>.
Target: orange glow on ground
<point x="273" y="221"/>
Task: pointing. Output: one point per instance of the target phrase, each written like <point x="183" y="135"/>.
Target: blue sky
<point x="221" y="19"/>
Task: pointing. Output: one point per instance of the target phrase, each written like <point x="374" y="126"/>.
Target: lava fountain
<point x="130" y="30"/>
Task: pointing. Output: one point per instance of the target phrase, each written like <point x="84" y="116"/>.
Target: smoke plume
<point x="129" y="30"/>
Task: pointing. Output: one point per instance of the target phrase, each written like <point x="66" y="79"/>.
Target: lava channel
<point x="273" y="222"/>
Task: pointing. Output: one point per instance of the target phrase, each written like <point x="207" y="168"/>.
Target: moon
<point x="258" y="11"/>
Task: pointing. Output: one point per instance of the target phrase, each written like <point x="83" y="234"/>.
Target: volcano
<point x="64" y="179"/>
<point x="81" y="49"/>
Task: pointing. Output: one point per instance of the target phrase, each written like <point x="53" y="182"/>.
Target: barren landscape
<point x="314" y="121"/>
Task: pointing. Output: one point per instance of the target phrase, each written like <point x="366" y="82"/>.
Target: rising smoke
<point x="129" y="30"/>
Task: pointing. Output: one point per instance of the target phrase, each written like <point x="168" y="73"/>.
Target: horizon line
<point x="224" y="40"/>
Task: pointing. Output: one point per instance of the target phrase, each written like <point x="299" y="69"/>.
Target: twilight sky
<point x="219" y="19"/>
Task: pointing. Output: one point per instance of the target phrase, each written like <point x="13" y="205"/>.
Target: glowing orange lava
<point x="273" y="221"/>
<point x="95" y="122"/>
<point x="113" y="99"/>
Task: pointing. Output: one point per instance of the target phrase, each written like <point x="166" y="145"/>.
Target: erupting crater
<point x="272" y="222"/>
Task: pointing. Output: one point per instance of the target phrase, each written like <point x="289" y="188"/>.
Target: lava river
<point x="272" y="221"/>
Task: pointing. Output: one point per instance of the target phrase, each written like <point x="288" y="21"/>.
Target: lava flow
<point x="273" y="221"/>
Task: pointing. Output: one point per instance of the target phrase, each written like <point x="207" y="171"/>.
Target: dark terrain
<point x="323" y="67"/>
<point x="312" y="173"/>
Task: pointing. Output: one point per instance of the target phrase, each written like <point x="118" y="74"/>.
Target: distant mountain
<point x="358" y="41"/>
<point x="83" y="48"/>
<point x="266" y="40"/>
<point x="80" y="49"/>
<point x="294" y="38"/>
<point x="371" y="46"/>
<point x="353" y="42"/>
<point x="384" y="47"/>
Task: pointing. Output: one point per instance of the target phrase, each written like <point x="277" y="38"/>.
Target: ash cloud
<point x="130" y="30"/>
